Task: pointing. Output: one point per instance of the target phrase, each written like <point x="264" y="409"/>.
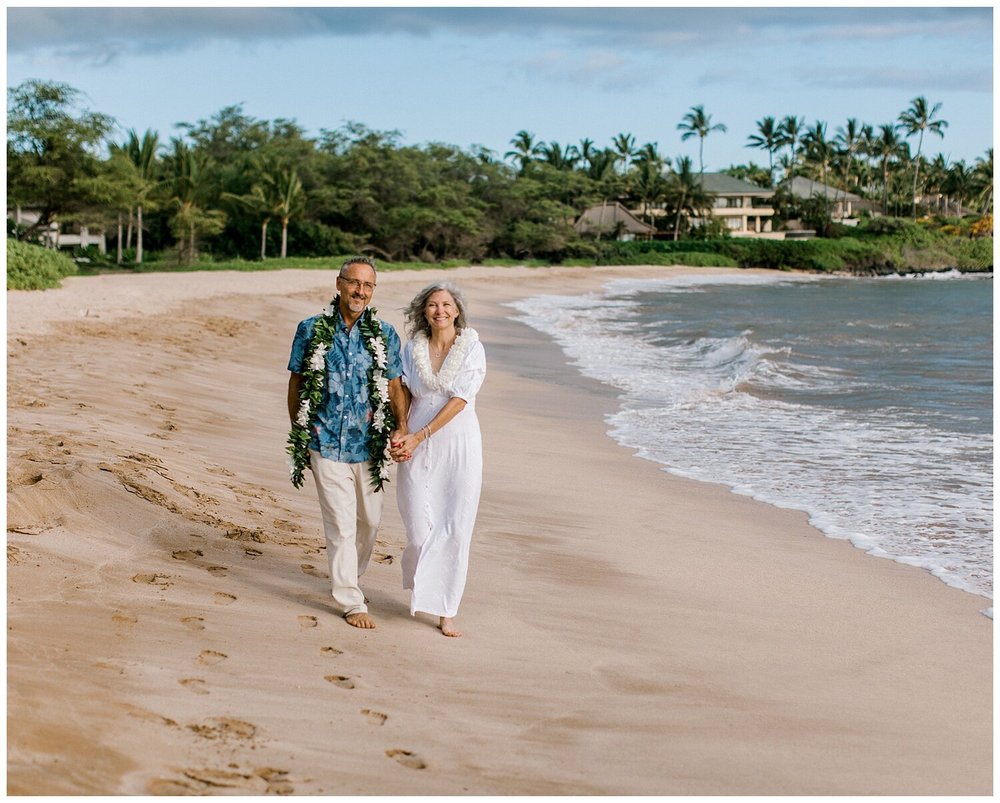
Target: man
<point x="341" y="426"/>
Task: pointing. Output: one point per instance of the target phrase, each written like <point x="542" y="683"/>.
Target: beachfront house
<point x="612" y="221"/>
<point x="744" y="208"/>
<point x="843" y="205"/>
<point x="67" y="235"/>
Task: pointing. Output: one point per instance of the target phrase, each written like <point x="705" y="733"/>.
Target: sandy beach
<point x="626" y="631"/>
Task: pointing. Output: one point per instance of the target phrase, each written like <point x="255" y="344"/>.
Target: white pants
<point x="351" y="514"/>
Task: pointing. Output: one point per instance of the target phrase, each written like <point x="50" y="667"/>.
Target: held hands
<point x="401" y="446"/>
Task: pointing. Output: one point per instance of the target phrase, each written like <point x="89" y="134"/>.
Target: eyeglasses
<point x="355" y="284"/>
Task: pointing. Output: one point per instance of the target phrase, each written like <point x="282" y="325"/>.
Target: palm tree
<point x="916" y="120"/>
<point x="560" y="158"/>
<point x="624" y="148"/>
<point x="142" y="154"/>
<point x="982" y="182"/>
<point x="768" y="138"/>
<point x="188" y="186"/>
<point x="886" y="148"/>
<point x="291" y="200"/>
<point x="850" y="139"/>
<point x="956" y="185"/>
<point x="525" y="149"/>
<point x="818" y="149"/>
<point x="649" y="182"/>
<point x="684" y="192"/>
<point x="698" y="124"/>
<point x="790" y="129"/>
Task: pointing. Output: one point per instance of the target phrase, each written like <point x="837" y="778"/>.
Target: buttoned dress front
<point x="438" y="490"/>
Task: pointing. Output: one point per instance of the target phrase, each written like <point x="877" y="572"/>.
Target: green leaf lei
<point x="311" y="394"/>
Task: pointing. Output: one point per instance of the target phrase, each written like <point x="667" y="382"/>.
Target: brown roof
<point x="606" y="218"/>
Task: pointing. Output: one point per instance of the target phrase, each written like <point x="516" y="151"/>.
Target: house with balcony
<point x="744" y="208"/>
<point x="844" y="205"/>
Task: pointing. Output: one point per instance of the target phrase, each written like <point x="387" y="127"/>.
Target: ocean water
<point x="866" y="403"/>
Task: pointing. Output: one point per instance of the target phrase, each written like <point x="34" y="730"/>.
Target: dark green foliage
<point x="911" y="246"/>
<point x="32" y="267"/>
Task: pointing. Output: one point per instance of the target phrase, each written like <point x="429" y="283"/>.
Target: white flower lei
<point x="452" y="363"/>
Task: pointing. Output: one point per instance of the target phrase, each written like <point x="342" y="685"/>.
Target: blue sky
<point x="477" y="75"/>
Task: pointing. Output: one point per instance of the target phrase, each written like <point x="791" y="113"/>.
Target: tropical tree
<point x="559" y="157"/>
<point x="769" y="138"/>
<point x="982" y="182"/>
<point x="887" y="149"/>
<point x="698" y="124"/>
<point x="624" y="149"/>
<point x="819" y="151"/>
<point x="849" y="139"/>
<point x="525" y="149"/>
<point x="916" y="120"/>
<point x="142" y="154"/>
<point x="52" y="152"/>
<point x="649" y="184"/>
<point x="187" y="189"/>
<point x="790" y="131"/>
<point x="684" y="192"/>
<point x="957" y="186"/>
<point x="287" y="188"/>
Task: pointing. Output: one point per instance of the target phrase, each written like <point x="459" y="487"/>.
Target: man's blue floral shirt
<point x="344" y="415"/>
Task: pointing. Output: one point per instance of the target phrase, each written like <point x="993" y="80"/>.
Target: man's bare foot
<point x="362" y="620"/>
<point x="448" y="627"/>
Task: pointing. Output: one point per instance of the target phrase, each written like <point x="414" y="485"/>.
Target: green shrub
<point x="975" y="255"/>
<point x="31" y="267"/>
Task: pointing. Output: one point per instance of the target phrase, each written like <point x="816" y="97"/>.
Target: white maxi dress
<point x="438" y="489"/>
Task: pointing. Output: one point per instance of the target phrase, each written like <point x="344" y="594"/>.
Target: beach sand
<point x="626" y="631"/>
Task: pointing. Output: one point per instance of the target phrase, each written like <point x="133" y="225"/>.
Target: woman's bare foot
<point x="362" y="620"/>
<point x="448" y="627"/>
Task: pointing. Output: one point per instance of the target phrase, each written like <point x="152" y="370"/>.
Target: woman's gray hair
<point x="416" y="321"/>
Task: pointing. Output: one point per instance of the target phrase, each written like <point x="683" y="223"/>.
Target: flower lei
<point x="314" y="381"/>
<point x="452" y="363"/>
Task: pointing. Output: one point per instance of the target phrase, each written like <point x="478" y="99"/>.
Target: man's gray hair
<point x="357" y="260"/>
<point x="416" y="321"/>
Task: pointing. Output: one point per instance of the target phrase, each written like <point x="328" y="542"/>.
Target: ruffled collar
<point x="452" y="363"/>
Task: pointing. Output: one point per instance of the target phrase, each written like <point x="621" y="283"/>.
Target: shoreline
<point x="816" y="514"/>
<point x="161" y="556"/>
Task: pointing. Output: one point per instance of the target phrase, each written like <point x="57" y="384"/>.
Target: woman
<point x="441" y="456"/>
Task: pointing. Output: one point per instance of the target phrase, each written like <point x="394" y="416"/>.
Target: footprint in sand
<point x="155" y="579"/>
<point x="374" y="717"/>
<point x="379" y="557"/>
<point x="217" y="570"/>
<point x="124" y="618"/>
<point x="193" y="622"/>
<point x="331" y="651"/>
<point x="312" y="571"/>
<point x="340" y="680"/>
<point x="407" y="759"/>
<point x="187" y="554"/>
<point x="225" y="728"/>
<point x="210" y="657"/>
<point x="197" y="685"/>
<point x="307" y="622"/>
<point x="222" y="598"/>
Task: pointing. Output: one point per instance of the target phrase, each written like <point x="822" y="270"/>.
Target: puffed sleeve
<point x="407" y="364"/>
<point x="473" y="372"/>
